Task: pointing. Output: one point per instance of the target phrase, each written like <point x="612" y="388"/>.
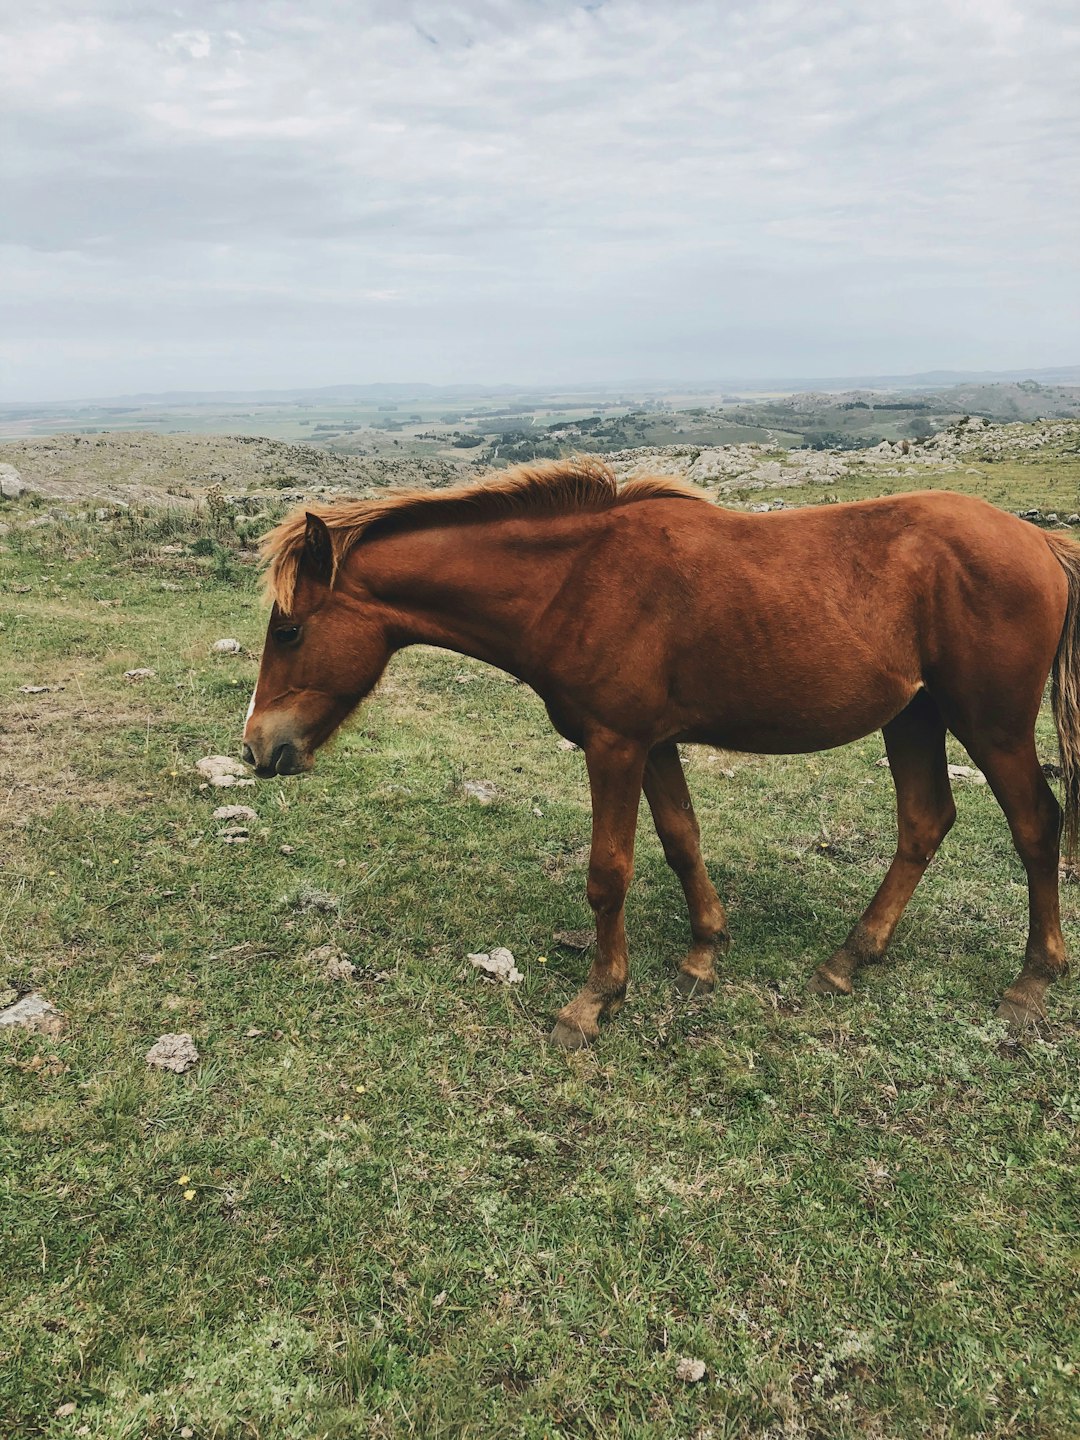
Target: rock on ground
<point x="173" y="1052"/>
<point x="235" y="812"/>
<point x="223" y="772"/>
<point x="499" y="964"/>
<point x="486" y="791"/>
<point x="33" y="1012"/>
<point x="690" y="1370"/>
<point x="967" y="772"/>
<point x="12" y="485"/>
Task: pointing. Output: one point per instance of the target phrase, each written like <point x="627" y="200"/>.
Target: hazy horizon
<point x="1067" y="375"/>
<point x="245" y="197"/>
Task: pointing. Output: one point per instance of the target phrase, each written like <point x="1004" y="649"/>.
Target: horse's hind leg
<point x="915" y="744"/>
<point x="1034" y="817"/>
<point x="677" y="827"/>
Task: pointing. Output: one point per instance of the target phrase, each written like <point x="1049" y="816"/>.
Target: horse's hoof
<point x="1019" y="1017"/>
<point x="569" y="1037"/>
<point x="823" y="983"/>
<point x="691" y="985"/>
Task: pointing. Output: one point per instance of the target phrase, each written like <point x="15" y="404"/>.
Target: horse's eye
<point x="287" y="634"/>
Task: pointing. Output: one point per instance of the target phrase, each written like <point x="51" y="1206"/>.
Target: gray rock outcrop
<point x="12" y="485"/>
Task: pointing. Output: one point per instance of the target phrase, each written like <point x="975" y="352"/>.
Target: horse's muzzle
<point x="285" y="759"/>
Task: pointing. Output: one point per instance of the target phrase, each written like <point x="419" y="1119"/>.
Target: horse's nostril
<point x="247" y="754"/>
<point x="283" y="758"/>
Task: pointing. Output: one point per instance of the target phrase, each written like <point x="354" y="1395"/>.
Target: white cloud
<point x="715" y="188"/>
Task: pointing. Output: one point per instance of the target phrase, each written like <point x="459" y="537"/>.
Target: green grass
<point x="410" y="1216"/>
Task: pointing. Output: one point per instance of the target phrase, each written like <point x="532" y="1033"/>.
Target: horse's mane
<point x="552" y="487"/>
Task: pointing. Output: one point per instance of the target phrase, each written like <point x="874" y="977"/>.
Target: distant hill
<point x="404" y="391"/>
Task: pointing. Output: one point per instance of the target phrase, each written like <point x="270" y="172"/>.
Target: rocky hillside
<point x="251" y="472"/>
<point x="729" y="469"/>
<point x="142" y="467"/>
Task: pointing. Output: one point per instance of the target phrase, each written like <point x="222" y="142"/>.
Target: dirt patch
<point x="37" y="751"/>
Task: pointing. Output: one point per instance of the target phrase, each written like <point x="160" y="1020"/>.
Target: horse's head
<point x="322" y="656"/>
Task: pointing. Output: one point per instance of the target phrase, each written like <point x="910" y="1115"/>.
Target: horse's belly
<point x="811" y="718"/>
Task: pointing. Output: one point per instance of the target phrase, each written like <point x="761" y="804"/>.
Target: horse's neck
<point x="474" y="588"/>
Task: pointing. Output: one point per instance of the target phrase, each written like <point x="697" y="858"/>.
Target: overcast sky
<point x="250" y="193"/>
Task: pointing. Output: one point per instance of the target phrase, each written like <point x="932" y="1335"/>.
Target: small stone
<point x="967" y="772"/>
<point x="217" y="765"/>
<point x="485" y="791"/>
<point x="229" y="782"/>
<point x="226" y="647"/>
<point x="235" y="812"/>
<point x="564" y="744"/>
<point x="690" y="1371"/>
<point x="63" y="1411"/>
<point x="34" y="1012"/>
<point x="12" y="485"/>
<point x="173" y="1052"/>
<point x="234" y="835"/>
<point x="38" y="689"/>
<point x="141" y="674"/>
<point x="499" y="964"/>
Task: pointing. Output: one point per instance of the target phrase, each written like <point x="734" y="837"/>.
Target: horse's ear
<point x="318" y="556"/>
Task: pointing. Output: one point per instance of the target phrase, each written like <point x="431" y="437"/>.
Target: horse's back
<point x="805" y="628"/>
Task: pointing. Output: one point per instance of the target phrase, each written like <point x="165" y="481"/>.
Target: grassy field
<point x="384" y="1207"/>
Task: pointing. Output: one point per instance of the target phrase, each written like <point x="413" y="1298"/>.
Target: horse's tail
<point x="1065" y="689"/>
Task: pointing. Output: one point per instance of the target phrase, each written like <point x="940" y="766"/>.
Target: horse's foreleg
<point x="616" y="766"/>
<point x="677" y="827"/>
<point x="915" y="743"/>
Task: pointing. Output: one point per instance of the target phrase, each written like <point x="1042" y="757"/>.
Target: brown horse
<point x="646" y="617"/>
